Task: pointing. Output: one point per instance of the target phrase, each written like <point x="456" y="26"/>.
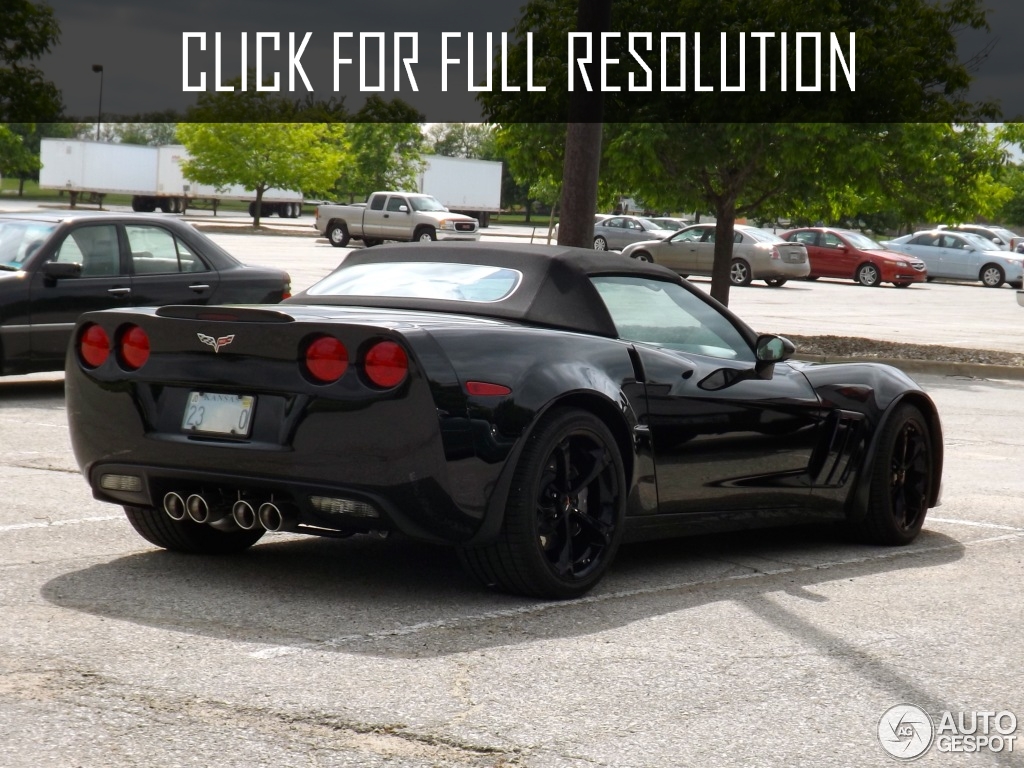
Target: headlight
<point x="902" y="264"/>
<point x="446" y="224"/>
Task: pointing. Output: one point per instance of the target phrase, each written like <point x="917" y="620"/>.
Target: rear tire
<point x="600" y="244"/>
<point x="775" y="282"/>
<point x="901" y="480"/>
<point x="337" y="235"/>
<point x="187" y="536"/>
<point x="564" y="518"/>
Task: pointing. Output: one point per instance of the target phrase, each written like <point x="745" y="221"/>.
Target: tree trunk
<point x="725" y="211"/>
<point x="257" y="210"/>
<point x="582" y="164"/>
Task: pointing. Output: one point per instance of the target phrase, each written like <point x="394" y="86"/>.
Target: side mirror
<point x="997" y="241"/>
<point x="59" y="270"/>
<point x="403" y="209"/>
<point x="773" y="349"/>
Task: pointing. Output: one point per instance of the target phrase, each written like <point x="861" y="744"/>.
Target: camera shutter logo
<point x="905" y="731"/>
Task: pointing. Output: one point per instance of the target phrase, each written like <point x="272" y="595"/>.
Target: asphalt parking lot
<point x="776" y="649"/>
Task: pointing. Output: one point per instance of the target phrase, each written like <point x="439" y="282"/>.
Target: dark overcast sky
<point x="139" y="44"/>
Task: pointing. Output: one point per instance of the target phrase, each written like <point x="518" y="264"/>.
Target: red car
<point x="853" y="256"/>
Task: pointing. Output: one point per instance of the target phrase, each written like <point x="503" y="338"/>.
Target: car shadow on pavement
<point x="397" y="598"/>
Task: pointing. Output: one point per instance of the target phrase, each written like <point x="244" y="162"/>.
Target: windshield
<point x="425" y="203"/>
<point x="421" y="280"/>
<point x="863" y="242"/>
<point x="979" y="242"/>
<point x="19" y="239"/>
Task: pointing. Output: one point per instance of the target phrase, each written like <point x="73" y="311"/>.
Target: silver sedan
<point x="757" y="254"/>
<point x="616" y="232"/>
<point x="962" y="256"/>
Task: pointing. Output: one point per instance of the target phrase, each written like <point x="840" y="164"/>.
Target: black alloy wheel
<point x="901" y="480"/>
<point x="564" y="518"/>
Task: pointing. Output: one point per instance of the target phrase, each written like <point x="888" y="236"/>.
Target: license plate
<point x="218" y="414"/>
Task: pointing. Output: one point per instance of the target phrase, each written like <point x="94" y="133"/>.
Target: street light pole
<point x="99" y="111"/>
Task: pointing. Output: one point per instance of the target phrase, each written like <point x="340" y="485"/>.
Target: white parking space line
<point x="975" y="524"/>
<point x="57" y="523"/>
<point x="462" y="621"/>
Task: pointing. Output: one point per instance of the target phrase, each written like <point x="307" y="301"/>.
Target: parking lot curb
<point x="935" y="367"/>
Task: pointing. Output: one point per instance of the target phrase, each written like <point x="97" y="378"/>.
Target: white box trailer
<point x="463" y="185"/>
<point x="151" y="175"/>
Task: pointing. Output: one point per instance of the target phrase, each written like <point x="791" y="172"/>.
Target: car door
<point x="725" y="437"/>
<point x="679" y="252"/>
<point x="55" y="304"/>
<point x="397" y="219"/>
<point x="840" y="256"/>
<point x="373" y="217"/>
<point x="927" y="247"/>
<point x="703" y="252"/>
<point x="958" y="257"/>
<point x="165" y="270"/>
<point x="613" y="231"/>
<point x="820" y="258"/>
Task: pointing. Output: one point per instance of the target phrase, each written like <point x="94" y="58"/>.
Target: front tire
<point x="869" y="275"/>
<point x="600" y="244"/>
<point x="901" y="480"/>
<point x="337" y="235"/>
<point x="187" y="536"/>
<point x="739" y="272"/>
<point x="992" y="275"/>
<point x="425" y="235"/>
<point x="775" y="282"/>
<point x="565" y="514"/>
<point x="643" y="256"/>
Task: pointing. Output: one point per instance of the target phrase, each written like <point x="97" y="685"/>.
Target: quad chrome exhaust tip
<point x="244" y="515"/>
<point x="175" y="506"/>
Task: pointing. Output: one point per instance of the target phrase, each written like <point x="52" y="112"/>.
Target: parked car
<point x="55" y="266"/>
<point x="616" y="232"/>
<point x="532" y="406"/>
<point x="1005" y="239"/>
<point x="961" y="256"/>
<point x="855" y="256"/>
<point x="757" y="254"/>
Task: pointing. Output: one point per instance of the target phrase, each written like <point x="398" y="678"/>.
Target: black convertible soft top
<point x="556" y="291"/>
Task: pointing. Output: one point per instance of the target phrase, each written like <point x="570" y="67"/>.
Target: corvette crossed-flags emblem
<point x="217" y="343"/>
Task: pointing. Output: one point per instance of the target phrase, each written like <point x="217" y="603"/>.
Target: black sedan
<point x="55" y="266"/>
<point x="532" y="406"/>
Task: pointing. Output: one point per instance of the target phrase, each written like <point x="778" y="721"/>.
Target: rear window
<point x="422" y="280"/>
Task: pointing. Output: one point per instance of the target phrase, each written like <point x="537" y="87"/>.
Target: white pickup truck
<point x="393" y="216"/>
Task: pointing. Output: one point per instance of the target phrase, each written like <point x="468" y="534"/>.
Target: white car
<point x="962" y="256"/>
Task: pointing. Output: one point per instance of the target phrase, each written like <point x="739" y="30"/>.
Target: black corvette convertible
<point x="533" y="406"/>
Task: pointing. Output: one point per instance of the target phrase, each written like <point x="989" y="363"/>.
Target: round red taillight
<point x="94" y="346"/>
<point x="326" y="359"/>
<point x="386" y="364"/>
<point x="134" y="347"/>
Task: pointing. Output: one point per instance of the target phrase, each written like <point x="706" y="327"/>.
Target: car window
<point x="863" y="242"/>
<point x="426" y="203"/>
<point x="377" y="202"/>
<point x="422" y="280"/>
<point x="931" y="240"/>
<point x="94" y="247"/>
<point x="156" y="250"/>
<point x="688" y="235"/>
<point x="830" y="241"/>
<point x="667" y="315"/>
<point x="807" y="238"/>
<point x="20" y="239"/>
<point x="951" y="241"/>
<point x="395" y="203"/>
<point x="617" y="222"/>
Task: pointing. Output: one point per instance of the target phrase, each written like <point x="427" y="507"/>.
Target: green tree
<point x="299" y="156"/>
<point x="473" y="140"/>
<point x="27" y="167"/>
<point x="27" y="31"/>
<point x="382" y="148"/>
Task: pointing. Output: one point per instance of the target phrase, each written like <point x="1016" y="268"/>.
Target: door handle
<point x="119" y="291"/>
<point x="199" y="287"/>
